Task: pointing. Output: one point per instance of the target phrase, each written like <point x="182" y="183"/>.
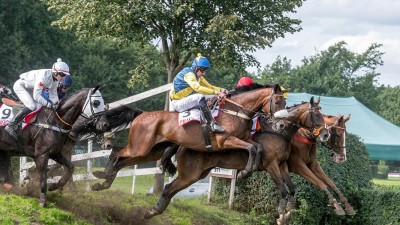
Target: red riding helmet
<point x="244" y="81"/>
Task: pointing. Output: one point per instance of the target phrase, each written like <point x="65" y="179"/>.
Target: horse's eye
<point x="96" y="103"/>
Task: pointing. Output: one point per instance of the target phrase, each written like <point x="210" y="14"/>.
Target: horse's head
<point x="88" y="103"/>
<point x="306" y="115"/>
<point x="337" y="140"/>
<point x="256" y="97"/>
<point x="95" y="109"/>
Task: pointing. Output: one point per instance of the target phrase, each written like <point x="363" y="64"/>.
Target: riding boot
<point x="12" y="127"/>
<point x="215" y="127"/>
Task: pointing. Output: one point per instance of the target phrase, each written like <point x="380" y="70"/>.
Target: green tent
<point x="381" y="137"/>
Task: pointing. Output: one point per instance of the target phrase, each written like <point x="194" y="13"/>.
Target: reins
<point x="59" y="117"/>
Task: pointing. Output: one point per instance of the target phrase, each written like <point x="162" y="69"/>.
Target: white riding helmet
<point x="60" y="67"/>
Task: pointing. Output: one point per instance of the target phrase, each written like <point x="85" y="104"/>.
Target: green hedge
<point x="258" y="195"/>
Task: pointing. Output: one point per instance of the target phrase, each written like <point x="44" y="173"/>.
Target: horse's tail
<point x="166" y="161"/>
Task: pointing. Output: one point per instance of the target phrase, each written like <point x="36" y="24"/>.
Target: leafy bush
<point x="259" y="195"/>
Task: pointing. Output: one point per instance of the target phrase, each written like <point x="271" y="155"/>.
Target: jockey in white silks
<point x="190" y="89"/>
<point x="29" y="90"/>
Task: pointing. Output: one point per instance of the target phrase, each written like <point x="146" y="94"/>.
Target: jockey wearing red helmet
<point x="244" y="81"/>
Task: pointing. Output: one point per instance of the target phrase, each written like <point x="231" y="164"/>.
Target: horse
<point x="151" y="132"/>
<point x="303" y="161"/>
<point x="118" y="118"/>
<point x="194" y="165"/>
<point x="45" y="137"/>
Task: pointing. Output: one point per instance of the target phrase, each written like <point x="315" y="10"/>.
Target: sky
<point x="357" y="22"/>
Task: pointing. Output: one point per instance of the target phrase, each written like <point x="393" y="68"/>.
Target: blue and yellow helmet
<point x="201" y="61"/>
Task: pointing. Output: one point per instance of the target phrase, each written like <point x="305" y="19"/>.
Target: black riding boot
<point x="215" y="127"/>
<point x="13" y="126"/>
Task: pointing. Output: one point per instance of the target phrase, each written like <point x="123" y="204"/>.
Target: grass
<point x="113" y="206"/>
<point x="392" y="181"/>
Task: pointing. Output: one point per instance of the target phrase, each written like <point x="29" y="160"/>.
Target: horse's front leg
<point x="59" y="157"/>
<point x="259" y="150"/>
<point x="41" y="165"/>
<point x="319" y="172"/>
<point x="233" y="144"/>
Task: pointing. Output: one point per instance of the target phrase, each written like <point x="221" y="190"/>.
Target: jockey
<point x="63" y="87"/>
<point x="190" y="89"/>
<point x="244" y="81"/>
<point x="29" y="90"/>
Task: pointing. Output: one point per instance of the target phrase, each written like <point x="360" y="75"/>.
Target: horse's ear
<point x="95" y="89"/>
<point x="318" y="100"/>
<point x="102" y="87"/>
<point x="277" y="88"/>
<point x="312" y="100"/>
<point x="347" y="118"/>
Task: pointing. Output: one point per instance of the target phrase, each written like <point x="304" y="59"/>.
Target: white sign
<point x="221" y="172"/>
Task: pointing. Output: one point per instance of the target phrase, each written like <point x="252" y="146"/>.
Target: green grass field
<point x="392" y="181"/>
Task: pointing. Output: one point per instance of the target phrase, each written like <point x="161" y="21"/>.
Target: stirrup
<point x="11" y="131"/>
<point x="216" y="128"/>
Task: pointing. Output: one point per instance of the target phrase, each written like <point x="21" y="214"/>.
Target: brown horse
<point x="303" y="161"/>
<point x="151" y="132"/>
<point x="44" y="138"/>
<point x="193" y="165"/>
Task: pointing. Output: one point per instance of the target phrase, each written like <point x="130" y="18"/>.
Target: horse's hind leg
<point x="67" y="175"/>
<point x="169" y="191"/>
<point x="6" y="174"/>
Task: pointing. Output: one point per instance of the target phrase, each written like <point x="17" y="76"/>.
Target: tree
<point x="389" y="101"/>
<point x="225" y="31"/>
<point x="334" y="72"/>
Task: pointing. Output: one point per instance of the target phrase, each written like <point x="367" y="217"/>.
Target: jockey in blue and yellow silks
<point x="190" y="90"/>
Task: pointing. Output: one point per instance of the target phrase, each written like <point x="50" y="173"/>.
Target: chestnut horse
<point x="193" y="165"/>
<point x="151" y="132"/>
<point x="45" y="137"/>
<point x="303" y="161"/>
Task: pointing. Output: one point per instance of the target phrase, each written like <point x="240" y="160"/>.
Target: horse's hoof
<point x="350" y="211"/>
<point x="53" y="187"/>
<point x="282" y="206"/>
<point x="150" y="213"/>
<point x="7" y="186"/>
<point x="280" y="220"/>
<point x="97" y="187"/>
<point x="340" y="212"/>
<point x="100" y="174"/>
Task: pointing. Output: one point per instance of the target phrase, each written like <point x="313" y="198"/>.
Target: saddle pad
<point x="189" y="116"/>
<point x="255" y="127"/>
<point x="194" y="115"/>
<point x="10" y="102"/>
<point x="31" y="117"/>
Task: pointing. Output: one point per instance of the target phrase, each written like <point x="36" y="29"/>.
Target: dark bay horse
<point x="118" y="118"/>
<point x="194" y="165"/>
<point x="303" y="161"/>
<point x="45" y="138"/>
<point x="151" y="132"/>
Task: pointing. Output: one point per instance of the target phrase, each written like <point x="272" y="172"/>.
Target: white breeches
<point x="187" y="102"/>
<point x="24" y="95"/>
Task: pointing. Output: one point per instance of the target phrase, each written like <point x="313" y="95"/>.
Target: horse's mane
<point x="64" y="100"/>
<point x="121" y="116"/>
<point x="295" y="105"/>
<point x="250" y="87"/>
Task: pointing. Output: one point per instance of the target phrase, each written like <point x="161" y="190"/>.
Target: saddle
<point x="16" y="106"/>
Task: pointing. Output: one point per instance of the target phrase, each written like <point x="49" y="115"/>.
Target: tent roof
<point x="381" y="137"/>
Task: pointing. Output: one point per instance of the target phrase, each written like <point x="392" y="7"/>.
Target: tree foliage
<point x="225" y="31"/>
<point x="338" y="71"/>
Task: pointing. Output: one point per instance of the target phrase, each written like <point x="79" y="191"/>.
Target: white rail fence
<point x="24" y="165"/>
